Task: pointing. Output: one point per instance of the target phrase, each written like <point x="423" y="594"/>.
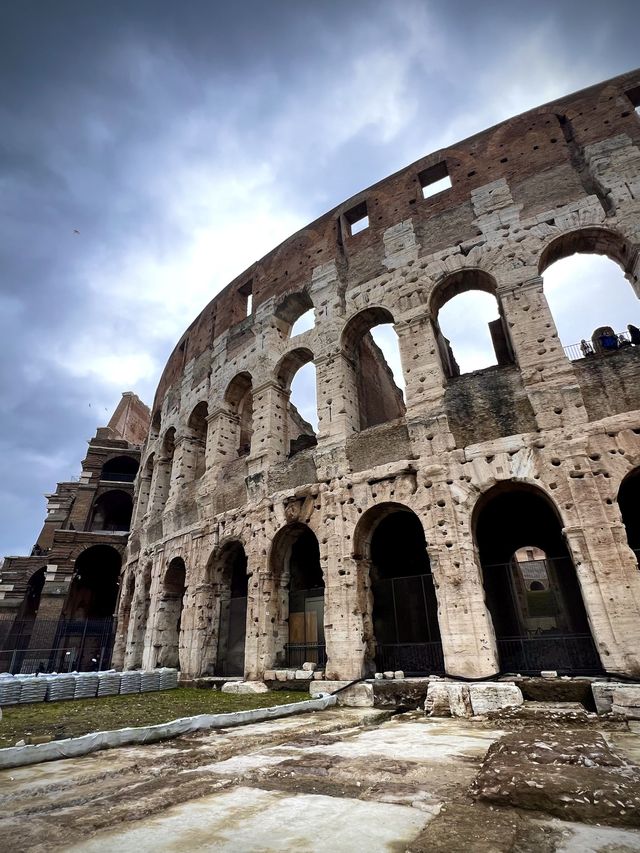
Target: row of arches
<point x="532" y="590"/>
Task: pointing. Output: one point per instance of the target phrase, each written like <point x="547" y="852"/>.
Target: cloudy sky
<point x="183" y="140"/>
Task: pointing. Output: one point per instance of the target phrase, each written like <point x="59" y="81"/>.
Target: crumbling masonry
<point x="486" y="522"/>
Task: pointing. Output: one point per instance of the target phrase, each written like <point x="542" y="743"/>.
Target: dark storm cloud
<point x="184" y="140"/>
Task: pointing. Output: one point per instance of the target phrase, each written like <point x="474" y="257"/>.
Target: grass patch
<point x="73" y="718"/>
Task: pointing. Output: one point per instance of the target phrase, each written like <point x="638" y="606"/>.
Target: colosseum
<point x="473" y="524"/>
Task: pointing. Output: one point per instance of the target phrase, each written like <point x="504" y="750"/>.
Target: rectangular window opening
<point x="434" y="180"/>
<point x="357" y="218"/>
<point x="246" y="292"/>
<point x="634" y="97"/>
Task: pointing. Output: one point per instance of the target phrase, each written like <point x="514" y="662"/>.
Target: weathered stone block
<point x="281" y="674"/>
<point x="303" y="675"/>
<point x="269" y="675"/>
<point x="245" y="687"/>
<point x="493" y="696"/>
<point x="309" y="666"/>
<point x="626" y="701"/>
<point x="357" y="696"/>
<point x="437" y="702"/>
<point x="603" y="694"/>
<point x="398" y="674"/>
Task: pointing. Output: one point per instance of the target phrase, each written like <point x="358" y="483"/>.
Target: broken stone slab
<point x="626" y="701"/>
<point x="379" y="676"/>
<point x="448" y="699"/>
<point x="245" y="687"/>
<point x="358" y="695"/>
<point x="291" y="675"/>
<point x="318" y="675"/>
<point x="269" y="675"/>
<point x="603" y="694"/>
<point x="493" y="696"/>
<point x="388" y="673"/>
<point x="309" y="666"/>
<point x="303" y="674"/>
<point x="459" y="700"/>
<point x="281" y="674"/>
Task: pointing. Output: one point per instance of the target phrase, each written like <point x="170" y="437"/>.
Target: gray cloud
<point x="184" y="141"/>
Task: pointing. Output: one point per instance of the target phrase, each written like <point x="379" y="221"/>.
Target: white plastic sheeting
<point x="20" y="756"/>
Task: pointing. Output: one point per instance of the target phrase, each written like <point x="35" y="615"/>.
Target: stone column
<point x="265" y="618"/>
<point x="337" y="399"/>
<point x="546" y="371"/>
<point x="269" y="442"/>
<point x="160" y="485"/>
<point x="466" y="629"/>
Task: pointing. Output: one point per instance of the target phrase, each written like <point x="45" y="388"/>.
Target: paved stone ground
<point x="341" y="780"/>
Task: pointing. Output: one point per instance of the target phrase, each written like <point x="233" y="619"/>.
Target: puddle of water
<point x="252" y="820"/>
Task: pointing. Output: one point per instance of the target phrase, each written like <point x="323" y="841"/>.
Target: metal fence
<point x="55" y="645"/>
<point x="411" y="658"/>
<point x="569" y="654"/>
<point x="298" y="653"/>
<point x="574" y="352"/>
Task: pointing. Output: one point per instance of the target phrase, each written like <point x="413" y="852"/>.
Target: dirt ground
<point x="339" y="780"/>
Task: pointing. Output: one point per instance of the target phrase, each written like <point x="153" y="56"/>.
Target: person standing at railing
<point x="586" y="348"/>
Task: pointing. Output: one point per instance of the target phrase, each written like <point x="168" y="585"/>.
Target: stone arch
<point x="120" y="469"/>
<point x="376" y="397"/>
<point x="298" y="433"/>
<point x="298" y="580"/>
<point x="197" y="437"/>
<point x="454" y="285"/>
<point x="228" y="581"/>
<point x="239" y="399"/>
<point x="591" y="240"/>
<point x="111" y="511"/>
<point x="533" y="631"/>
<point x="164" y="468"/>
<point x="291" y="309"/>
<point x="143" y="488"/>
<point x="629" y="504"/>
<point x="390" y="550"/>
<point x="16" y="642"/>
<point x="169" y="613"/>
<point x="155" y="425"/>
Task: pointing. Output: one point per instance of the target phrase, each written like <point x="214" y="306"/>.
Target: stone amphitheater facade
<point x="531" y="451"/>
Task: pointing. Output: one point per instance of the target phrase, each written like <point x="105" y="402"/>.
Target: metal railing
<point x="568" y="654"/>
<point x="298" y="653"/>
<point x="411" y="658"/>
<point x="575" y="352"/>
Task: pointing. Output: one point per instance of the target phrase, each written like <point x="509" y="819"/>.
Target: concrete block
<point x="603" y="694"/>
<point x="359" y="695"/>
<point x="245" y="687"/>
<point x="493" y="696"/>
<point x="626" y="701"/>
<point x="309" y="666"/>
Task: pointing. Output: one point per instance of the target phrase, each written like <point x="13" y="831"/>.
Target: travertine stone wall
<point x="561" y="178"/>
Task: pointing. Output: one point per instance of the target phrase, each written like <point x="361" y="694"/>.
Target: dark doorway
<point x="296" y="563"/>
<point x="531" y="586"/>
<point x="405" y="609"/>
<point x="629" y="503"/>
<point x="87" y="625"/>
<point x="230" y="568"/>
<point x="120" y="469"/>
<point x="21" y="633"/>
<point x="112" y="512"/>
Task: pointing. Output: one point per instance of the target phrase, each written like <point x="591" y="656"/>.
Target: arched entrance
<point x="170" y="614"/>
<point x="230" y="586"/>
<point x="629" y="503"/>
<point x="17" y="641"/>
<point x="295" y="565"/>
<point x="390" y="539"/>
<point x="531" y="586"/>
<point x="87" y="625"/>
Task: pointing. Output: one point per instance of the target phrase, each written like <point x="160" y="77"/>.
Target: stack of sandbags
<point x="168" y="678"/>
<point x="109" y="683"/>
<point x="149" y="680"/>
<point x="10" y="689"/>
<point x="130" y="682"/>
<point x="86" y="685"/>
<point x="60" y="687"/>
<point x="34" y="689"/>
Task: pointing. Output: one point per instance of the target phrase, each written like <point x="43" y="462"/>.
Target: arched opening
<point x="629" y="503"/>
<point x="469" y="327"/>
<point x="18" y="638"/>
<point x="519" y="539"/>
<point x="295" y="314"/>
<point x="239" y="398"/>
<point x="120" y="469"/>
<point x="197" y="426"/>
<point x="390" y="540"/>
<point x="297" y="573"/>
<point x="164" y="469"/>
<point x="86" y="628"/>
<point x="169" y="617"/>
<point x="112" y="512"/>
<point x="228" y="572"/>
<point x="370" y="345"/>
<point x="139" y="616"/>
<point x="144" y="488"/>
<point x="595" y="310"/>
<point x="296" y="375"/>
<point x="154" y="426"/>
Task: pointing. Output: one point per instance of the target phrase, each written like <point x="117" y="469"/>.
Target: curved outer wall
<point x="560" y="178"/>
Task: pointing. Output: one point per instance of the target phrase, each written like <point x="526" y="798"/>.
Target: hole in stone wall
<point x="357" y="218"/>
<point x="434" y="180"/>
